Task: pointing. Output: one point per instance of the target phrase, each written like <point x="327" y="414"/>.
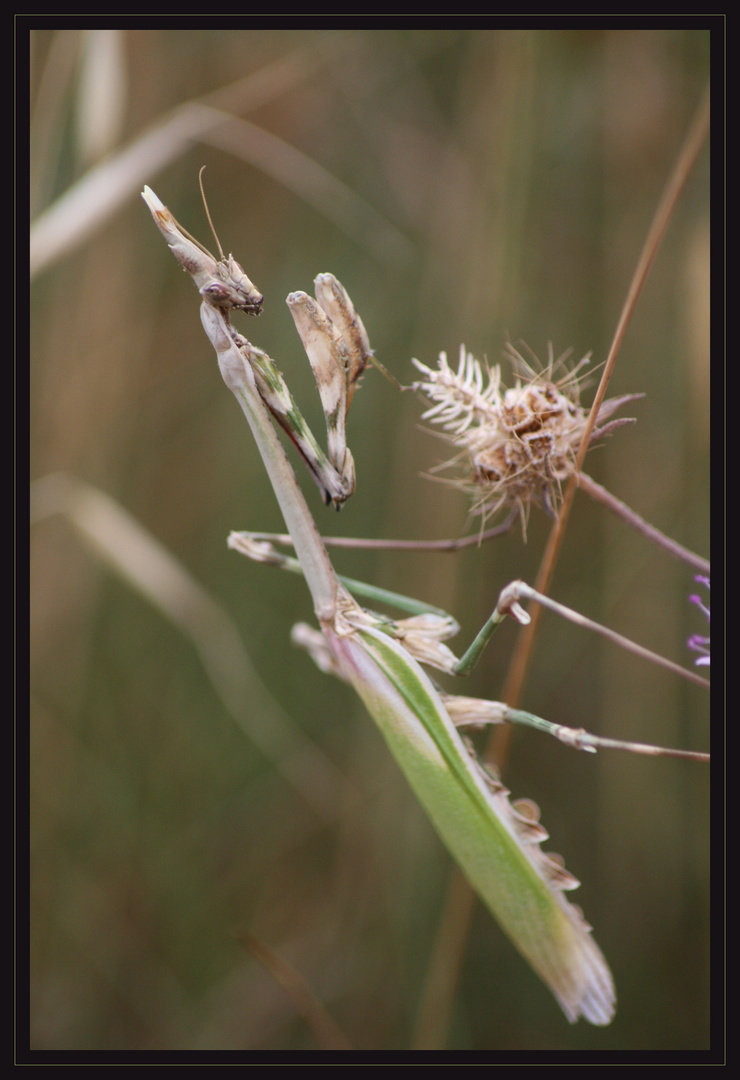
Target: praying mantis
<point x="495" y="842"/>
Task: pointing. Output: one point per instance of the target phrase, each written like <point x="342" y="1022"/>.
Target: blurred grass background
<point x="465" y="186"/>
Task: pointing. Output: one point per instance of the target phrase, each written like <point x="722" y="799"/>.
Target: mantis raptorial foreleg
<point x="336" y="345"/>
<point x="335" y="485"/>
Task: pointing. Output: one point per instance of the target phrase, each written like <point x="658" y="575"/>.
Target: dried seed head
<point x="518" y="445"/>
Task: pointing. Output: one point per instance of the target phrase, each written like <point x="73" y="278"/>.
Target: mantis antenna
<point x="208" y="212"/>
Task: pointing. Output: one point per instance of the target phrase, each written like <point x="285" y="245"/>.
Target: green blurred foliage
<point x="516" y="173"/>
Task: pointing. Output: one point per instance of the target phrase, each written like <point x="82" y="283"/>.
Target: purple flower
<point x="696" y="642"/>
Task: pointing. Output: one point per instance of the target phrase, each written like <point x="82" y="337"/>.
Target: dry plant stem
<point x="307" y="1004"/>
<point x="596" y="491"/>
<point x="440" y="983"/>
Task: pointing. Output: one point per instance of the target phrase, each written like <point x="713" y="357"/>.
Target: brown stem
<point x="596" y="491"/>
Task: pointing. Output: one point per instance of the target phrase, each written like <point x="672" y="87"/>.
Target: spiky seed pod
<point x="519" y="444"/>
